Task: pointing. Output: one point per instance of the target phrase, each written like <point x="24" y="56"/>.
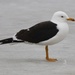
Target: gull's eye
<point x="62" y="16"/>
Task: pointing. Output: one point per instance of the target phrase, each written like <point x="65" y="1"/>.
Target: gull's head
<point x="61" y="16"/>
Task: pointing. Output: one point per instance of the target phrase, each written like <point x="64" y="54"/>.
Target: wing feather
<point x="39" y="32"/>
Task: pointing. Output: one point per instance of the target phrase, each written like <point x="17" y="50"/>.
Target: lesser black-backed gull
<point x="44" y="33"/>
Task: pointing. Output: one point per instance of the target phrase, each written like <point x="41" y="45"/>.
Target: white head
<point x="61" y="16"/>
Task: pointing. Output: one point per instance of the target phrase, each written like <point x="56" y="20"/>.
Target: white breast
<point x="62" y="33"/>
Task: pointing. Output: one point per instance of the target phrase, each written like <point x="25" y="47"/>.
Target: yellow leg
<point x="47" y="56"/>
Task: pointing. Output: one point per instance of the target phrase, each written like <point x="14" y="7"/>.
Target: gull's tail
<point x="8" y="40"/>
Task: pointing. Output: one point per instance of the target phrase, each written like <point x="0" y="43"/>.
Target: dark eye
<point x="62" y="16"/>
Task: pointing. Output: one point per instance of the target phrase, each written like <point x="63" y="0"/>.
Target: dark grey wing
<point x="39" y="32"/>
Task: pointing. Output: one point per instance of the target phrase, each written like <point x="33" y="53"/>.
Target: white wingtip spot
<point x="28" y="29"/>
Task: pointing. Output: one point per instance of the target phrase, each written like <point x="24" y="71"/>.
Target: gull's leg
<point x="47" y="56"/>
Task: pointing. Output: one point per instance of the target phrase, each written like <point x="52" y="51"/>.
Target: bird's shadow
<point x="29" y="60"/>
